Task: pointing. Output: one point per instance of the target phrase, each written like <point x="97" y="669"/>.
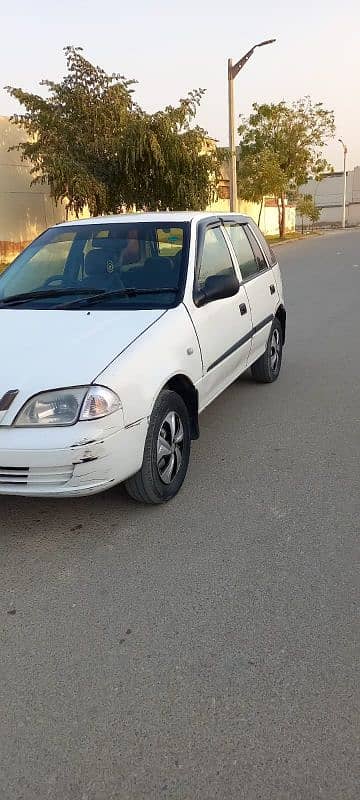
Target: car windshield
<point x="70" y="266"/>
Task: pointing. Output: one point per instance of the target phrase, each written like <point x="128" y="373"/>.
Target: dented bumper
<point x="67" y="462"/>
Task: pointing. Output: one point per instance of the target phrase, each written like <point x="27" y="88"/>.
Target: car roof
<point x="158" y="217"/>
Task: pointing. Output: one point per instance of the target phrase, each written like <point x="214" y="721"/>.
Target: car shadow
<point x="113" y="510"/>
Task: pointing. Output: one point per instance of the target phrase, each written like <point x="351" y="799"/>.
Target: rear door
<point x="258" y="281"/>
<point x="223" y="326"/>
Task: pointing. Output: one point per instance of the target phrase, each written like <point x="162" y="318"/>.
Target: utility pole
<point x="343" y="223"/>
<point x="233" y="71"/>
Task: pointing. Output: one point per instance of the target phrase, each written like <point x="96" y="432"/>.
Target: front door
<point x="223" y="326"/>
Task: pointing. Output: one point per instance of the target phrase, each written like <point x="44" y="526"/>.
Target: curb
<point x="297" y="239"/>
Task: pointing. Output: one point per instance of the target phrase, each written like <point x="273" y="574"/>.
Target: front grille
<point x="14" y="475"/>
<point x="41" y="477"/>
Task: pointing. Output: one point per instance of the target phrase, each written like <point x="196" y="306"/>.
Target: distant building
<point x="328" y="196"/>
<point x="25" y="210"/>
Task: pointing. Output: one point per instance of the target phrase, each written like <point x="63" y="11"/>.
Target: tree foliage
<point x="259" y="175"/>
<point x="94" y="145"/>
<point x="306" y="207"/>
<point x="281" y="145"/>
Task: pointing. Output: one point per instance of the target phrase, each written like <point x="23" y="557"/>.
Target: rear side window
<point x="270" y="255"/>
<point x="258" y="253"/>
<point x="243" y="251"/>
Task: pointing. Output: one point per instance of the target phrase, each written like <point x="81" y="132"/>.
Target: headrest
<point x="99" y="262"/>
<point x="106" y="243"/>
<point x="159" y="263"/>
<point x="159" y="272"/>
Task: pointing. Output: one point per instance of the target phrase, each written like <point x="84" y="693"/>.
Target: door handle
<point x="243" y="309"/>
<point x="272" y="289"/>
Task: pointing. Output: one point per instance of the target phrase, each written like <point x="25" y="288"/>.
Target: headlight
<point x="67" y="406"/>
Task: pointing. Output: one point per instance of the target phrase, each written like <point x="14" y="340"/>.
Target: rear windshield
<point x="83" y="260"/>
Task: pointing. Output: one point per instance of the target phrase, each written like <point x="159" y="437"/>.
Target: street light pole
<point x="233" y="71"/>
<point x="232" y="148"/>
<point x="343" y="223"/>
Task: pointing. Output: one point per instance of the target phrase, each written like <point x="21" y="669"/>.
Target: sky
<point x="170" y="48"/>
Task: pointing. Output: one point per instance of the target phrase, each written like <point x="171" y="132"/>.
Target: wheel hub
<point x="170" y="446"/>
<point x="275" y="350"/>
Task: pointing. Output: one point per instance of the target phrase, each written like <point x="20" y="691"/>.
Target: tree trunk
<point x="283" y="218"/>
<point x="302" y="225"/>
<point x="260" y="212"/>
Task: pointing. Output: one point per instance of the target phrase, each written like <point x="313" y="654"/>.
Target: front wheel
<point x="166" y="452"/>
<point x="267" y="368"/>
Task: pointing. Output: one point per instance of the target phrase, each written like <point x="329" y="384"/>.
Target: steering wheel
<point x="53" y="279"/>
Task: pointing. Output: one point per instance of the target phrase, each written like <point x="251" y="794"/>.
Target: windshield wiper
<point x="37" y="295"/>
<point x="131" y="292"/>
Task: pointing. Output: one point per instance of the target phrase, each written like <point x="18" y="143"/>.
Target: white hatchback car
<point x="116" y="333"/>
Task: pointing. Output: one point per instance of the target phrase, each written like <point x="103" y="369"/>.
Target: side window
<point x="243" y="251"/>
<point x="259" y="255"/>
<point x="169" y="241"/>
<point x="216" y="259"/>
<point x="270" y="255"/>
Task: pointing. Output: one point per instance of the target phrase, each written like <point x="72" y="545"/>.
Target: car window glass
<point x="169" y="241"/>
<point x="44" y="266"/>
<point x="243" y="251"/>
<point x="259" y="255"/>
<point x="215" y="259"/>
<point x="269" y="253"/>
<point x="106" y="256"/>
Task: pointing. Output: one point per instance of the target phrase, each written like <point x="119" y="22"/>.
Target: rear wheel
<point x="166" y="452"/>
<point x="267" y="368"/>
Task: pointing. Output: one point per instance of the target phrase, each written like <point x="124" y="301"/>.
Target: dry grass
<point x="291" y="236"/>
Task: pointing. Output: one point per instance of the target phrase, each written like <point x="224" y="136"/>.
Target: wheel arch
<point x="281" y="316"/>
<point x="185" y="388"/>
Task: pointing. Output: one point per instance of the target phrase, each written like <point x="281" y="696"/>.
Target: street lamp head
<point x="268" y="41"/>
<point x="234" y="69"/>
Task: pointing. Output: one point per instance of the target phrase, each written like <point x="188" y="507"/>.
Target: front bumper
<point x="68" y="462"/>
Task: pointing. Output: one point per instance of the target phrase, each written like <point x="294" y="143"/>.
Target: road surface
<point x="205" y="649"/>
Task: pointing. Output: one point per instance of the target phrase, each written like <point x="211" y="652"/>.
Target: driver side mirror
<point x="217" y="287"/>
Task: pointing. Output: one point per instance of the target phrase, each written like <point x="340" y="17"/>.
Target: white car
<point x="116" y="333"/>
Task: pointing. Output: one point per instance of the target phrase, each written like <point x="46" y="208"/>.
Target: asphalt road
<point x="205" y="649"/>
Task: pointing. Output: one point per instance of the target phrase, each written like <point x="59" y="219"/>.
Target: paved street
<point x="206" y="649"/>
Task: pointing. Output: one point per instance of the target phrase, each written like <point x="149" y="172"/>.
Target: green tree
<point x="315" y="214"/>
<point x="94" y="145"/>
<point x="259" y="175"/>
<point x="283" y="143"/>
<point x="306" y="207"/>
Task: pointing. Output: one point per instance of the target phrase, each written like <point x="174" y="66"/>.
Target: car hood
<point x="50" y="349"/>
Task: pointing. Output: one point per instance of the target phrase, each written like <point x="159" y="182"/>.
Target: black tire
<point x="147" y="486"/>
<point x="267" y="368"/>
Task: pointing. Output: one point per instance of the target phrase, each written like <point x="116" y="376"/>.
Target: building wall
<point x="269" y="219"/>
<point x="25" y="210"/>
<point x="328" y="196"/>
